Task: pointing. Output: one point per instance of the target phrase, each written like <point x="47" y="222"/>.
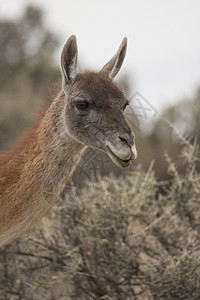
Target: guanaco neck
<point x="59" y="152"/>
<point x="42" y="168"/>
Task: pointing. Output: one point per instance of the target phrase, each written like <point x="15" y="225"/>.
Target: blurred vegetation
<point x="176" y="125"/>
<point x="133" y="237"/>
<point x="116" y="239"/>
<point x="26" y="64"/>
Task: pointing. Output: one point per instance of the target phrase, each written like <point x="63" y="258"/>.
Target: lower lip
<point x="123" y="163"/>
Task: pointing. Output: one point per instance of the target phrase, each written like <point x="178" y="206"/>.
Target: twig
<point x="152" y="224"/>
<point x="143" y="184"/>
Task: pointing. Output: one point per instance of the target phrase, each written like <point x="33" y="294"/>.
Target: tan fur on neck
<point x="34" y="174"/>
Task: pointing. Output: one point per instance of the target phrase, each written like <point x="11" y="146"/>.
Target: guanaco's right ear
<point x="69" y="62"/>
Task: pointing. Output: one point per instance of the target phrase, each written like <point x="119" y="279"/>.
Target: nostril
<point x="123" y="140"/>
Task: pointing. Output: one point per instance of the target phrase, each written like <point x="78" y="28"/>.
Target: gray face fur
<point x="94" y="106"/>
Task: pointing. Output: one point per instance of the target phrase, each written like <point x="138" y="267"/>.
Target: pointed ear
<point x="69" y="62"/>
<point x="114" y="65"/>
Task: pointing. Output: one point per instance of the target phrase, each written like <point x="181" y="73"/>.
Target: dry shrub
<point x="125" y="238"/>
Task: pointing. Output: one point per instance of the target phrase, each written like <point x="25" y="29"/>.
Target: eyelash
<point x="82" y="105"/>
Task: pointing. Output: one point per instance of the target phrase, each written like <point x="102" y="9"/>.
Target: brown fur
<point x="36" y="171"/>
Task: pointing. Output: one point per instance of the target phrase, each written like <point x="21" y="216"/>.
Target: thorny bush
<point x="125" y="238"/>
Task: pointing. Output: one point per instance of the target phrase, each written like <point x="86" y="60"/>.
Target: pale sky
<point x="163" y="56"/>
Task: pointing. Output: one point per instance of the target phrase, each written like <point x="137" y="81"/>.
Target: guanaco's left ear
<point x="114" y="65"/>
<point x="69" y="62"/>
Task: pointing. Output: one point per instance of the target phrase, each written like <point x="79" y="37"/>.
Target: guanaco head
<point x="94" y="106"/>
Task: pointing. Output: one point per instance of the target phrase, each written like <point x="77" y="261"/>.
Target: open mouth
<point x="120" y="162"/>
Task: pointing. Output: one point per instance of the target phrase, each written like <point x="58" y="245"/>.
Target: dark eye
<point x="82" y="105"/>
